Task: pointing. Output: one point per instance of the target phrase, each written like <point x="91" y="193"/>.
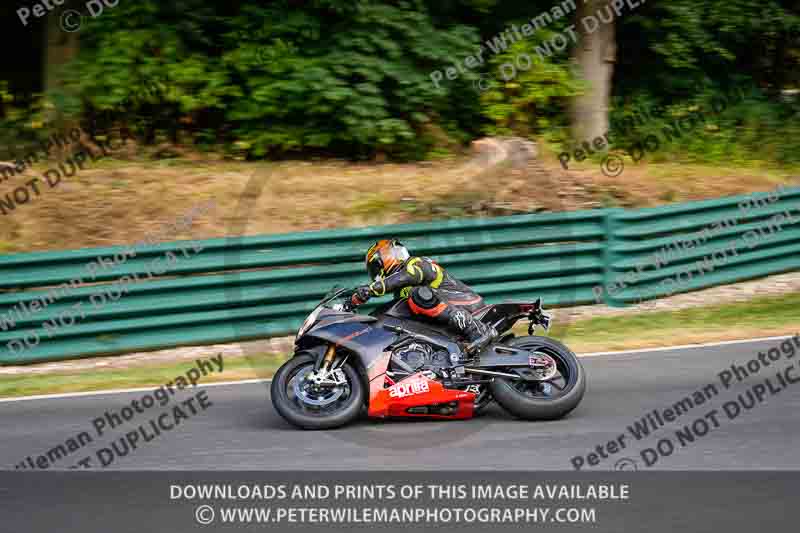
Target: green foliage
<point x="363" y="86"/>
<point x="347" y="77"/>
<point x="683" y="54"/>
<point x="748" y="128"/>
<point x="154" y="68"/>
<point x="687" y="42"/>
<point x="353" y="78"/>
<point x="527" y="92"/>
<point x="22" y="122"/>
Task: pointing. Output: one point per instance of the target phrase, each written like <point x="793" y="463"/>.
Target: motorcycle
<point x="393" y="365"/>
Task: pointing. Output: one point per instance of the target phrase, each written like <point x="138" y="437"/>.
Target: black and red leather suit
<point x="433" y="294"/>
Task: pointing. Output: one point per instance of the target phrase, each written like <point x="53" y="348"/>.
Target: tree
<point x="594" y="55"/>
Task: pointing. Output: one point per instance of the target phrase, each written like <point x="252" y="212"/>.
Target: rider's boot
<point x="478" y="334"/>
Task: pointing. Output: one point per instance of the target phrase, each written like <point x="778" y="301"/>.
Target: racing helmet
<point x="386" y="257"/>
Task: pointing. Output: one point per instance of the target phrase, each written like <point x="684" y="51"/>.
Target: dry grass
<point x="118" y="202"/>
<point x="647" y="184"/>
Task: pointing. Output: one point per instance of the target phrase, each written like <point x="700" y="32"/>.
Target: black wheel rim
<point x="312" y="400"/>
<point x="557" y="386"/>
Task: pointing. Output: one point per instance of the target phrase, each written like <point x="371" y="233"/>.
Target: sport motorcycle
<point x="390" y="364"/>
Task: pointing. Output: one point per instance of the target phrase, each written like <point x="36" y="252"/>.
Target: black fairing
<point x="503" y="315"/>
<point x="394" y="308"/>
<point x="368" y="337"/>
<point x="357" y="333"/>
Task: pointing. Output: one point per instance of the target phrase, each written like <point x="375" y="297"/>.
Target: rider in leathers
<point x="431" y="291"/>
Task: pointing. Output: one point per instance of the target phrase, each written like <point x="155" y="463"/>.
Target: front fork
<point x="326" y="374"/>
<point x="327" y="360"/>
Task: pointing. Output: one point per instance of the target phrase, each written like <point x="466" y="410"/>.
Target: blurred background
<point x="303" y="115"/>
<point x="383" y="102"/>
<point x="139" y="123"/>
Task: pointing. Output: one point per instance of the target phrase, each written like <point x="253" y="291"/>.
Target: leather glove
<point x="361" y="296"/>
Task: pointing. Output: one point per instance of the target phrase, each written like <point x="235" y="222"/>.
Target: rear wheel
<point x="547" y="391"/>
<point x="310" y="405"/>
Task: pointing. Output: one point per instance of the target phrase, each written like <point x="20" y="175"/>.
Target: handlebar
<point x="341" y="293"/>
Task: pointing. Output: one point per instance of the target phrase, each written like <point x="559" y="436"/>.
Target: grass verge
<point x="144" y="375"/>
<point x="759" y="317"/>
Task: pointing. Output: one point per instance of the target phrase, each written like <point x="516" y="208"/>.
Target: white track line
<point x="123" y="391"/>
<point x="686" y="346"/>
<point x="248" y="381"/>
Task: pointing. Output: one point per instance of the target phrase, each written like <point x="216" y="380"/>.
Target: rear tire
<point x="308" y="416"/>
<point x="530" y="407"/>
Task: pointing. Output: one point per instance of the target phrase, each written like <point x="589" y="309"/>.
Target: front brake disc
<point x="321" y="396"/>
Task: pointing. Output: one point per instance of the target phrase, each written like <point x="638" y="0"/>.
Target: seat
<point x="481" y="311"/>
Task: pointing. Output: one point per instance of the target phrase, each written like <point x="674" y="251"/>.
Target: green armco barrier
<point x="684" y="247"/>
<point x="103" y="301"/>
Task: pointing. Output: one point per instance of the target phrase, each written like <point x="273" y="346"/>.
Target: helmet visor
<point x="375" y="267"/>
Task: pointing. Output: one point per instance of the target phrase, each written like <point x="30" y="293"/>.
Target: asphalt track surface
<point x="241" y="430"/>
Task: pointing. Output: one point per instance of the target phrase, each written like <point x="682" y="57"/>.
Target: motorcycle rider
<point x="431" y="291"/>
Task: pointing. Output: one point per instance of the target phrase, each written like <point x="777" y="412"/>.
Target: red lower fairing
<point x="417" y="393"/>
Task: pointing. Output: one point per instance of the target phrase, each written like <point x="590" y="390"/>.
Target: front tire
<point x="542" y="400"/>
<point x="301" y="405"/>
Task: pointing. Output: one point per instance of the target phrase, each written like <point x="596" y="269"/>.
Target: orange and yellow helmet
<point x="386" y="257"/>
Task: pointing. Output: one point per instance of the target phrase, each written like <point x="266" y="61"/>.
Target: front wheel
<point x="310" y="405"/>
<point x="546" y="392"/>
